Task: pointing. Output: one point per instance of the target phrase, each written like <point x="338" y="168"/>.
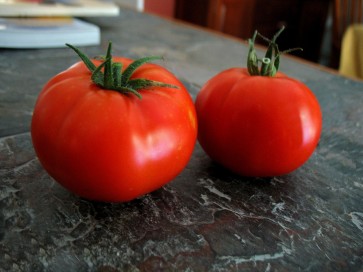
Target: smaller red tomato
<point x="256" y="121"/>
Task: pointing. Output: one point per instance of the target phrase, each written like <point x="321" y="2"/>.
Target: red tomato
<point x="108" y="146"/>
<point x="257" y="125"/>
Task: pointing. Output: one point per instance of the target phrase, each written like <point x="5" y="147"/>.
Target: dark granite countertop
<point x="207" y="219"/>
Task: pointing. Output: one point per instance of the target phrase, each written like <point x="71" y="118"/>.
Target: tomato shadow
<point x="218" y="171"/>
<point x="214" y="170"/>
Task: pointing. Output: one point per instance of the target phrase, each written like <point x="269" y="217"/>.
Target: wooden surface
<point x="206" y="219"/>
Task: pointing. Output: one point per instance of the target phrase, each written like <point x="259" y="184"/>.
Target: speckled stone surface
<point x="207" y="219"/>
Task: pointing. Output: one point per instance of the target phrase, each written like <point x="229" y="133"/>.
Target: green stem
<point x="114" y="79"/>
<point x="271" y="61"/>
<point x="265" y="67"/>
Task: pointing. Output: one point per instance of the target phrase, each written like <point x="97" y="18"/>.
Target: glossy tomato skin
<point x="107" y="146"/>
<point x="256" y="125"/>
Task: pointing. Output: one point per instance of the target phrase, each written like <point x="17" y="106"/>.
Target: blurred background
<point x="317" y="26"/>
<point x="329" y="31"/>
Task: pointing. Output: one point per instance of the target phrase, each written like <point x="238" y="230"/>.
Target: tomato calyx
<point x="271" y="61"/>
<point x="113" y="78"/>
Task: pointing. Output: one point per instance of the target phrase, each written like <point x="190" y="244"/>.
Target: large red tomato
<point x="258" y="125"/>
<point x="110" y="145"/>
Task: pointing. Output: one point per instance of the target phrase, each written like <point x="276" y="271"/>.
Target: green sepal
<point x="271" y="62"/>
<point x="134" y="65"/>
<point x="142" y="83"/>
<point x="117" y="72"/>
<point x="86" y="60"/>
<point x="127" y="90"/>
<point x="108" y="82"/>
<point x="277" y="60"/>
<point x="252" y="60"/>
<point x="97" y="76"/>
<point x="112" y="77"/>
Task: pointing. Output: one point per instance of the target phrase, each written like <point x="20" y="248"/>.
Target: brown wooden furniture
<point x="304" y="20"/>
<point x="163" y="8"/>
